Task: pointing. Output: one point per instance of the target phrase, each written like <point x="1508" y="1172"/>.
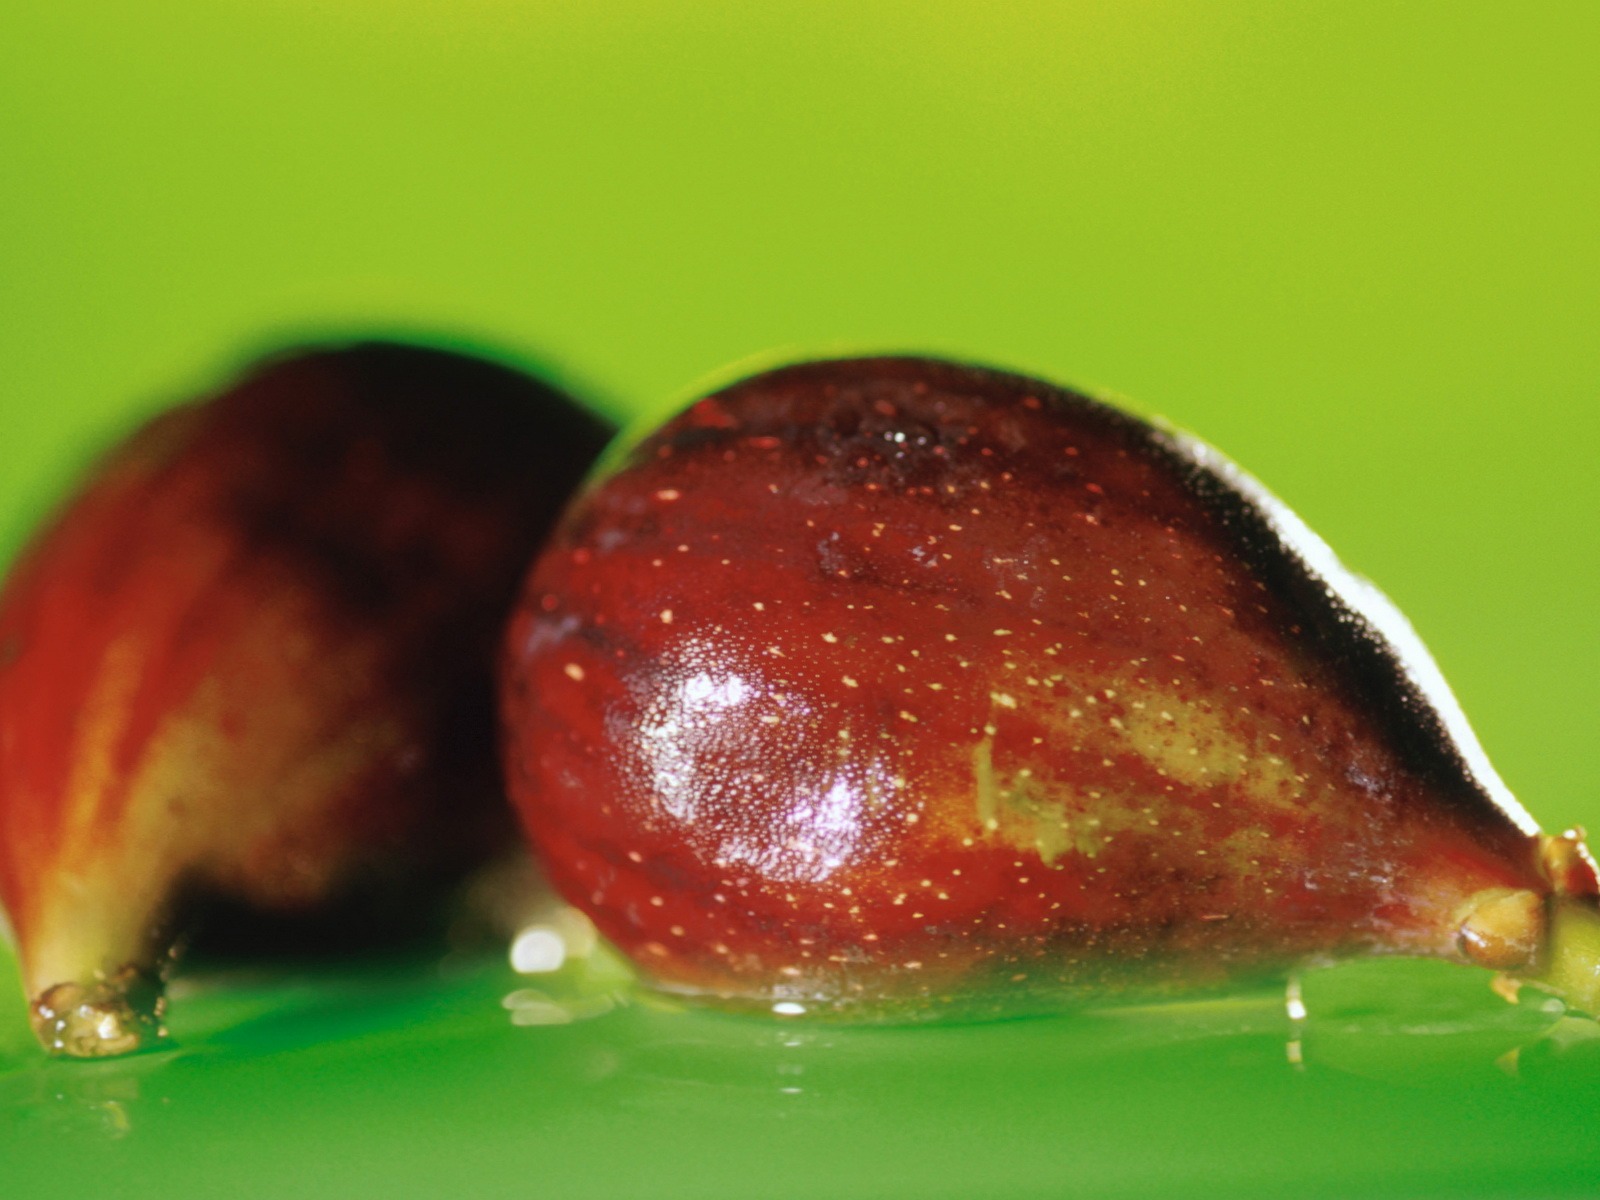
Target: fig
<point x="894" y="689"/>
<point x="253" y="661"/>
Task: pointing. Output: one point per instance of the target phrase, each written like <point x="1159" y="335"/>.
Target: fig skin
<point x="893" y="689"/>
<point x="252" y="660"/>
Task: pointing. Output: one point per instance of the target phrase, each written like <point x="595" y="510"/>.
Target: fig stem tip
<point x="1571" y="966"/>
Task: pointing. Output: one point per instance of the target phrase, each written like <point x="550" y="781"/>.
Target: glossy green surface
<point x="1352" y="244"/>
<point x="393" y="1081"/>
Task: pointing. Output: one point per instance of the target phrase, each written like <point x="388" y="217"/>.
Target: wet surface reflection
<point x="1411" y="1078"/>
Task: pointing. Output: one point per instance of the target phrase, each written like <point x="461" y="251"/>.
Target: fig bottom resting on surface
<point x="894" y="689"/>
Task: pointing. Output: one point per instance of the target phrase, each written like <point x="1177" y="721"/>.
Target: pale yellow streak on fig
<point x="101" y="724"/>
<point x="1046" y="810"/>
<point x="295" y="755"/>
<point x="1047" y="819"/>
<point x="201" y="801"/>
<point x="1199" y="749"/>
<point x="983" y="785"/>
<point x="1021" y="813"/>
<point x="1196" y="748"/>
<point x="98" y="914"/>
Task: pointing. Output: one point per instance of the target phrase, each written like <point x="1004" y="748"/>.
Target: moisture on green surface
<point x="405" y="1077"/>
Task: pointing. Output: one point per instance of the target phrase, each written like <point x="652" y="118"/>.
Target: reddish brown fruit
<point x="891" y="687"/>
<point x="251" y="659"/>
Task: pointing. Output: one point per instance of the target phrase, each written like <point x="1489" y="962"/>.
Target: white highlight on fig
<point x="815" y="809"/>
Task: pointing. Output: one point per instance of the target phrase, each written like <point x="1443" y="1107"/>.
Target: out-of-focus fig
<point x="252" y="659"/>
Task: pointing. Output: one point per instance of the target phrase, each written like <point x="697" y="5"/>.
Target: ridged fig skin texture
<point x="895" y="689"/>
<point x="252" y="659"/>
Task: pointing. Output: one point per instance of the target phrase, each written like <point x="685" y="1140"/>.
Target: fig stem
<point x="1571" y="967"/>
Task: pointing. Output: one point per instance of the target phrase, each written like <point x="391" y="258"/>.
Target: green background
<point x="1353" y="245"/>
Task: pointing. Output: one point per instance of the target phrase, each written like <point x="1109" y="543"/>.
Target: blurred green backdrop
<point x="1353" y="244"/>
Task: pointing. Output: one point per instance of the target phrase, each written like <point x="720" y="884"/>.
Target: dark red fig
<point x="895" y="688"/>
<point x="252" y="659"/>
